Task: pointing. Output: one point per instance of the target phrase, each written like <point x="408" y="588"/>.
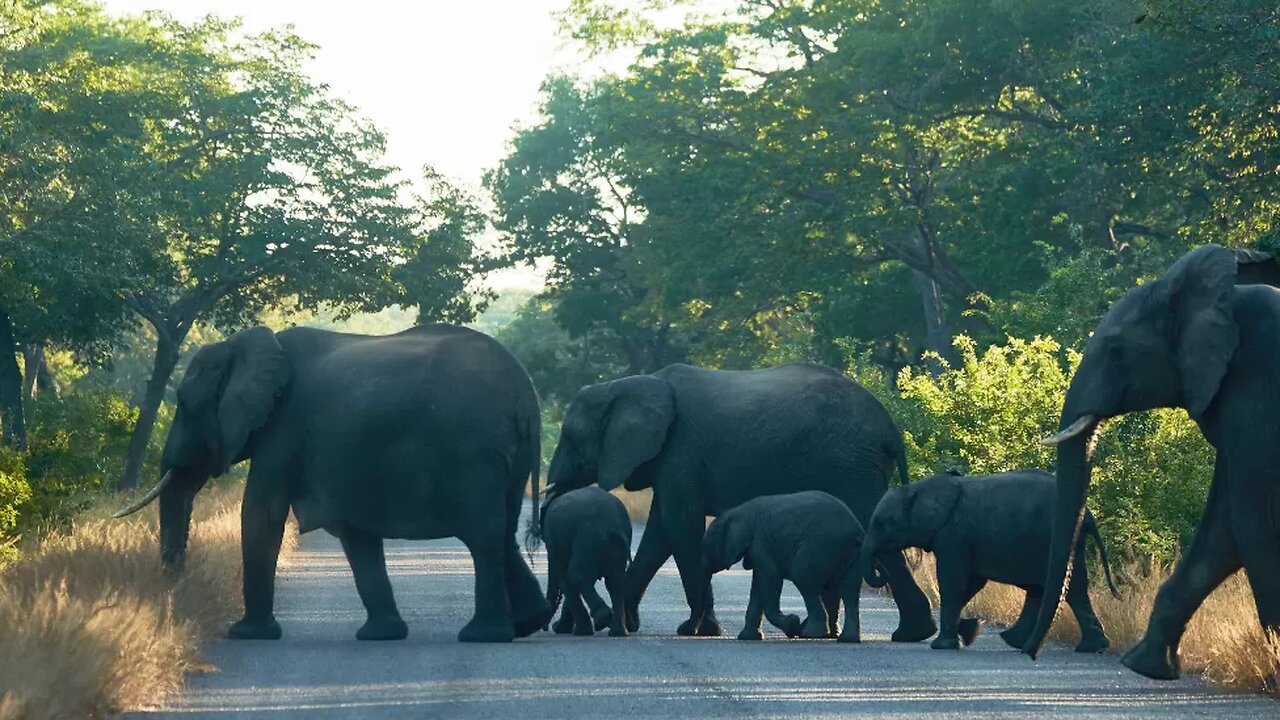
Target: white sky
<point x="446" y="80"/>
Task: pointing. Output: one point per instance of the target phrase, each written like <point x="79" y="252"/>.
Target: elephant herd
<point x="435" y="432"/>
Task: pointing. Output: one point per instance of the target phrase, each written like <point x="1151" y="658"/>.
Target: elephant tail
<point x="531" y="428"/>
<point x="1091" y="528"/>
<point x="904" y="477"/>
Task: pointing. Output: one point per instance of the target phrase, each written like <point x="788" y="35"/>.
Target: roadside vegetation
<point x="93" y="626"/>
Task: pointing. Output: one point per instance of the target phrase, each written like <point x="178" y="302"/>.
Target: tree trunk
<point x="12" y="424"/>
<point x="937" y="338"/>
<point x="168" y="342"/>
<point x="38" y="377"/>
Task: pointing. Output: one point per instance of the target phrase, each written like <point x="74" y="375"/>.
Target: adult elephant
<point x="708" y="440"/>
<point x="428" y="433"/>
<point x="1199" y="339"/>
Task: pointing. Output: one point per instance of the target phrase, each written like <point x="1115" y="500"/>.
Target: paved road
<point x="319" y="672"/>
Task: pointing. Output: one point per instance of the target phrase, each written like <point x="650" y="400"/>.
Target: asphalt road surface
<point x="320" y="672"/>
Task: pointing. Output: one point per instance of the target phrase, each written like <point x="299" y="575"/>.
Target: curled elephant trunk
<point x="1073" y="485"/>
<point x="871" y="571"/>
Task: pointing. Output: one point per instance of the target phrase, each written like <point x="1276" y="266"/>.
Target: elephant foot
<point x="851" y="634"/>
<point x="969" y="628"/>
<point x="618" y="630"/>
<point x="750" y="634"/>
<point x="602" y="618"/>
<point x="632" y="618"/>
<point x="1015" y="637"/>
<point x="709" y="627"/>
<point x="526" y="626"/>
<point x="583" y="629"/>
<point x="385" y="628"/>
<point x="791" y="625"/>
<point x="255" y="629"/>
<point x="915" y="630"/>
<point x="1156" y="661"/>
<point x="945" y="643"/>
<point x="1093" y="643"/>
<point x="563" y="626"/>
<point x="815" y="630"/>
<point x="487" y="631"/>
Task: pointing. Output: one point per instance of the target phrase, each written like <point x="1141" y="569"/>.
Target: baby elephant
<point x="588" y="537"/>
<point x="987" y="528"/>
<point x="809" y="538"/>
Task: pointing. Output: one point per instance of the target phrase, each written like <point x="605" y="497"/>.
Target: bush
<point x="1151" y="470"/>
<point x="15" y="492"/>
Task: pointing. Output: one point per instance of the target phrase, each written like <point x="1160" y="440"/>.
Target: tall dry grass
<point x="90" y="625"/>
<point x="1224" y="641"/>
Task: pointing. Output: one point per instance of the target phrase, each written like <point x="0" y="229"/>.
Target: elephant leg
<point x="1212" y="557"/>
<point x="654" y="550"/>
<point x="755" y="611"/>
<point x="1016" y="635"/>
<point x="616" y="583"/>
<point x="262" y="518"/>
<point x="831" y="602"/>
<point x="686" y="545"/>
<point x="601" y="613"/>
<point x="583" y="575"/>
<point x="815" y="625"/>
<point x="1255" y="514"/>
<point x="573" y="604"/>
<point x="487" y="540"/>
<point x="953" y="590"/>
<point x="851" y="595"/>
<point x="771" y="595"/>
<point x="968" y="628"/>
<point x="915" y="618"/>
<point x="1093" y="639"/>
<point x="369" y="566"/>
<point x="530" y="611"/>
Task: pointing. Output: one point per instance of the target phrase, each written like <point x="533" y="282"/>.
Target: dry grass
<point x="92" y="626"/>
<point x="637" y="503"/>
<point x="1224" y="641"/>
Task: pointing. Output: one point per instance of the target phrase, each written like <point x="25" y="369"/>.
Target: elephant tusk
<point x="152" y="494"/>
<point x="1077" y="427"/>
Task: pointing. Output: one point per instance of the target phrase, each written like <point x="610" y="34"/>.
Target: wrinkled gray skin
<point x="707" y="441"/>
<point x="1203" y="339"/>
<point x="588" y="537"/>
<point x="986" y="528"/>
<point x="809" y="538"/>
<point x="429" y="433"/>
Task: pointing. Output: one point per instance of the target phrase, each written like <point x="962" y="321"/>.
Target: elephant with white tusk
<point x="429" y="433"/>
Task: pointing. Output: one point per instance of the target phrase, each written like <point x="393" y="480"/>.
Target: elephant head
<point x="609" y="432"/>
<point x="908" y="516"/>
<point x="726" y="542"/>
<point x="228" y="391"/>
<point x="1164" y="344"/>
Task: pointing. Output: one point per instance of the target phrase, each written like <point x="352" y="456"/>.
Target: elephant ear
<point x="729" y="538"/>
<point x="640" y="412"/>
<point x="257" y="374"/>
<point x="1199" y="288"/>
<point x="930" y="504"/>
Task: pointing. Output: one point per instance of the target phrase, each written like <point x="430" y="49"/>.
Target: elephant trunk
<point x="175" y="522"/>
<point x="867" y="565"/>
<point x="1073" y="484"/>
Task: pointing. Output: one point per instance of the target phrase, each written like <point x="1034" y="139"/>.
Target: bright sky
<point x="446" y="80"/>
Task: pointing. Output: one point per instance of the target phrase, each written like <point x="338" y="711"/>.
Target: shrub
<point x="988" y="414"/>
<point x="15" y="492"/>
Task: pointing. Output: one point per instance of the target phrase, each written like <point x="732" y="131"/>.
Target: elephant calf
<point x="987" y="528"/>
<point x="809" y="538"/>
<point x="588" y="536"/>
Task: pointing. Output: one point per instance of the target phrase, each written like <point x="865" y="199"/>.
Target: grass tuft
<point x="91" y="625"/>
<point x="1224" y="641"/>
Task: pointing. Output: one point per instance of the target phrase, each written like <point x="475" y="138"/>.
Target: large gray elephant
<point x="1198" y="339"/>
<point x="709" y="440"/>
<point x="429" y="433"/>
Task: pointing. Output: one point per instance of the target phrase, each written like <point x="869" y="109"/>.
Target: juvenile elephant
<point x="707" y="441"/>
<point x="588" y="537"/>
<point x="809" y="538"/>
<point x="429" y="433"/>
<point x="1202" y="337"/>
<point x="986" y="528"/>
